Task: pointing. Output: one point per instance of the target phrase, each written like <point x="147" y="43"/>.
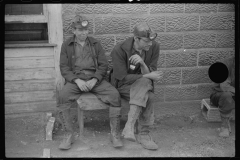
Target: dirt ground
<point x="177" y="136"/>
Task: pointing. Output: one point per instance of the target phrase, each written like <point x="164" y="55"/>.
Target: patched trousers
<point x="139" y="93"/>
<point x="225" y="102"/>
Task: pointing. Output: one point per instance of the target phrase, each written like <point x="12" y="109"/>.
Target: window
<point x="26" y="33"/>
<point x="25" y="23"/>
<point x="23" y="9"/>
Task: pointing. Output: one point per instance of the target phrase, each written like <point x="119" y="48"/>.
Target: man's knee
<point x="144" y="80"/>
<point x="115" y="94"/>
<point x="142" y="83"/>
<point x="114" y="98"/>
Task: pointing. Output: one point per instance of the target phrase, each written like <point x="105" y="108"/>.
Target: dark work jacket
<point x="229" y="83"/>
<point x="120" y="59"/>
<point x="68" y="58"/>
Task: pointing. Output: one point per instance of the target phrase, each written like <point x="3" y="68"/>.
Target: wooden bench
<point x="89" y="101"/>
<point x="212" y="113"/>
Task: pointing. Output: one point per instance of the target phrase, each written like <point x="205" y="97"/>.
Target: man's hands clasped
<point x="86" y="86"/>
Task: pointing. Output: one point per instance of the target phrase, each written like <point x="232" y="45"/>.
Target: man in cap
<point x="83" y="65"/>
<point x="134" y="70"/>
<point x="223" y="96"/>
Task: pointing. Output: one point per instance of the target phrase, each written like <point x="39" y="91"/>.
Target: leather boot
<point x="128" y="131"/>
<point x="145" y="139"/>
<point x="68" y="139"/>
<point x="115" y="132"/>
<point x="225" y="128"/>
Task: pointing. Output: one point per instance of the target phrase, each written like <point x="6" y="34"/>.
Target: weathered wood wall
<point x="29" y="79"/>
<point x="32" y="74"/>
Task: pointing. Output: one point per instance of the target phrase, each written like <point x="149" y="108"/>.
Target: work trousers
<point x="225" y="102"/>
<point x="139" y="93"/>
<point x="104" y="91"/>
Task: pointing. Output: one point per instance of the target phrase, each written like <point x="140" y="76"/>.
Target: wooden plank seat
<point x="88" y="101"/>
<point x="211" y="113"/>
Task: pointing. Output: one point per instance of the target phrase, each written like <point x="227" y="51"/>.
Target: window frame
<point x="28" y="18"/>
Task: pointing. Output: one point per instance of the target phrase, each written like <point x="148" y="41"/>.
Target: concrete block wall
<point x="191" y="37"/>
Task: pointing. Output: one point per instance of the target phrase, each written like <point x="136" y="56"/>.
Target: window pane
<point x="26" y="32"/>
<point x="23" y="9"/>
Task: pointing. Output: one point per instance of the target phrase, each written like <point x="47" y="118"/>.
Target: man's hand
<point x="83" y="86"/>
<point x="155" y="75"/>
<point x="135" y="59"/>
<point x="91" y="83"/>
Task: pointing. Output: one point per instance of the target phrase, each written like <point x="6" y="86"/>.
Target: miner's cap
<point x="80" y="22"/>
<point x="143" y="30"/>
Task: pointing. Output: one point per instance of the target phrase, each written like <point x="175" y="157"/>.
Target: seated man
<point x="83" y="65"/>
<point x="134" y="69"/>
<point x="223" y="96"/>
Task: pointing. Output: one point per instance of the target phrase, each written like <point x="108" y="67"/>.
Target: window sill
<point x="30" y="45"/>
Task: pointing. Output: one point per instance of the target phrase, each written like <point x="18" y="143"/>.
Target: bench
<point x="88" y="101"/>
<point x="212" y="113"/>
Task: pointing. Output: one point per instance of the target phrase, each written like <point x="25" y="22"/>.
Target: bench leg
<point x="80" y="122"/>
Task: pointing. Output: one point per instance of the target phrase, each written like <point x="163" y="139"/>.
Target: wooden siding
<point x="29" y="80"/>
<point x="30" y="107"/>
<point x="32" y="74"/>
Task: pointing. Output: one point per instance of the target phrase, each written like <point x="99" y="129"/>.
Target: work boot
<point x="145" y="139"/>
<point x="68" y="139"/>
<point x="115" y="132"/>
<point x="226" y="127"/>
<point x="128" y="131"/>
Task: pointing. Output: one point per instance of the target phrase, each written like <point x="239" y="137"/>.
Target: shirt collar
<point x="85" y="44"/>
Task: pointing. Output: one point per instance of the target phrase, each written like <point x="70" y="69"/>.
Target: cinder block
<point x="181" y="58"/>
<point x="112" y="25"/>
<point x="227" y="7"/>
<point x="210" y="56"/>
<point x="204" y="90"/>
<point x="199" y="40"/>
<point x="195" y="75"/>
<point x="179" y="93"/>
<point x="157" y="23"/>
<point x="68" y="9"/>
<point x="211" y="113"/>
<point x="200" y="8"/>
<point x="170" y="76"/>
<point x="83" y="8"/>
<point x="161" y="60"/>
<point x="158" y="93"/>
<point x="225" y="39"/>
<point x="216" y="22"/>
<point x="130" y="8"/>
<point x="106" y="41"/>
<point x="102" y="8"/>
<point x="182" y="23"/>
<point x="170" y="41"/>
<point x="120" y="38"/>
<point x="166" y="8"/>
